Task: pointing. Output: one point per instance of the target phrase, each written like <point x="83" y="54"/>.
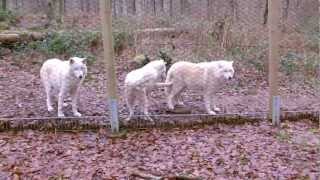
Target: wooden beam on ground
<point x="274" y="56"/>
<point x="106" y="20"/>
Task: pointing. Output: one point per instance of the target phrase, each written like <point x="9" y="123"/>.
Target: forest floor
<point x="22" y="94"/>
<point x="250" y="151"/>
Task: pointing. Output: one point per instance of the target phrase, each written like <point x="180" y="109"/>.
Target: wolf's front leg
<point x="207" y="101"/>
<point x="146" y="106"/>
<point x="74" y="102"/>
<point x="61" y="101"/>
<point x="130" y="104"/>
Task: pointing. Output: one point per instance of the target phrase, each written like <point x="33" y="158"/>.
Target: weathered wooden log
<point x="19" y="37"/>
<point x="165" y="121"/>
<point x="149" y="176"/>
<point x="9" y="38"/>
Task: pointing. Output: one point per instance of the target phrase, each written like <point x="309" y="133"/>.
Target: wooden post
<point x="106" y="20"/>
<point x="274" y="56"/>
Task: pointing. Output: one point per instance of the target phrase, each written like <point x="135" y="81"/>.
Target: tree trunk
<point x="114" y="8"/>
<point x="234" y="8"/>
<point x="153" y="6"/>
<point x="130" y="7"/>
<point x="209" y="9"/>
<point x="184" y="5"/>
<point x="82" y="5"/>
<point x="53" y="12"/>
<point x="161" y="6"/>
<point x="286" y="9"/>
<point x="120" y="7"/>
<point x="61" y="10"/>
<point x="88" y="4"/>
<point x="171" y="8"/>
<point x="265" y="14"/>
<point x="4" y="5"/>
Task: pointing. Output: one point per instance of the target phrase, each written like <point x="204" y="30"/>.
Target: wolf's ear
<point x="71" y="60"/>
<point x="84" y="60"/>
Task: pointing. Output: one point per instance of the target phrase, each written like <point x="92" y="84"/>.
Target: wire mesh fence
<point x="195" y="31"/>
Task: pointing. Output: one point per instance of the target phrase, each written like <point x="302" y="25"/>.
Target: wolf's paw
<point x="148" y="118"/>
<point x="217" y="109"/>
<point x="77" y="114"/>
<point x="50" y="109"/>
<point x="212" y="113"/>
<point x="61" y="115"/>
<point x="180" y="103"/>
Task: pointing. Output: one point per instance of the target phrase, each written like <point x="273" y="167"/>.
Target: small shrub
<point x="290" y="63"/>
<point x="310" y="28"/>
<point x="7" y="16"/>
<point x="63" y="43"/>
<point x="120" y="40"/>
<point x="311" y="64"/>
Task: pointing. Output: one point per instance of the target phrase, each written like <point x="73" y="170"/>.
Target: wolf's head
<point x="159" y="66"/>
<point x="78" y="67"/>
<point x="226" y="69"/>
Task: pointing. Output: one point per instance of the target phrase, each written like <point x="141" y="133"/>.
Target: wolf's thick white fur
<point x="206" y="77"/>
<point x="64" y="78"/>
<point x="139" y="83"/>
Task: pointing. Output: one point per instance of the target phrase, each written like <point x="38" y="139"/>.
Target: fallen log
<point x="19" y="37"/>
<point x="9" y="38"/>
<point x="148" y="176"/>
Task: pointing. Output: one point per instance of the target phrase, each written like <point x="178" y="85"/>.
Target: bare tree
<point x="265" y="14"/>
<point x="209" y="9"/>
<point x="114" y="8"/>
<point x="55" y="12"/>
<point x="153" y="6"/>
<point x="171" y="8"/>
<point x="234" y="8"/>
<point x="161" y="5"/>
<point x="184" y="6"/>
<point x="131" y="7"/>
<point x="286" y="9"/>
<point x="4" y="4"/>
<point x="88" y="5"/>
<point x="120" y="6"/>
<point x="82" y="5"/>
<point x="61" y="10"/>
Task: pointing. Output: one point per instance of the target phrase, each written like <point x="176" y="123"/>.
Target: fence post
<point x="106" y="20"/>
<point x="274" y="56"/>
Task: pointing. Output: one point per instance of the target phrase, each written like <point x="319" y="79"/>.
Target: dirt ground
<point x="22" y="95"/>
<point x="250" y="151"/>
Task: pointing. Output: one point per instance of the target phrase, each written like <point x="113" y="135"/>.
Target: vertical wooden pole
<point x="106" y="20"/>
<point x="274" y="56"/>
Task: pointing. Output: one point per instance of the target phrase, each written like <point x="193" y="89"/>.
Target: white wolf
<point x="64" y="77"/>
<point x="205" y="76"/>
<point x="139" y="83"/>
